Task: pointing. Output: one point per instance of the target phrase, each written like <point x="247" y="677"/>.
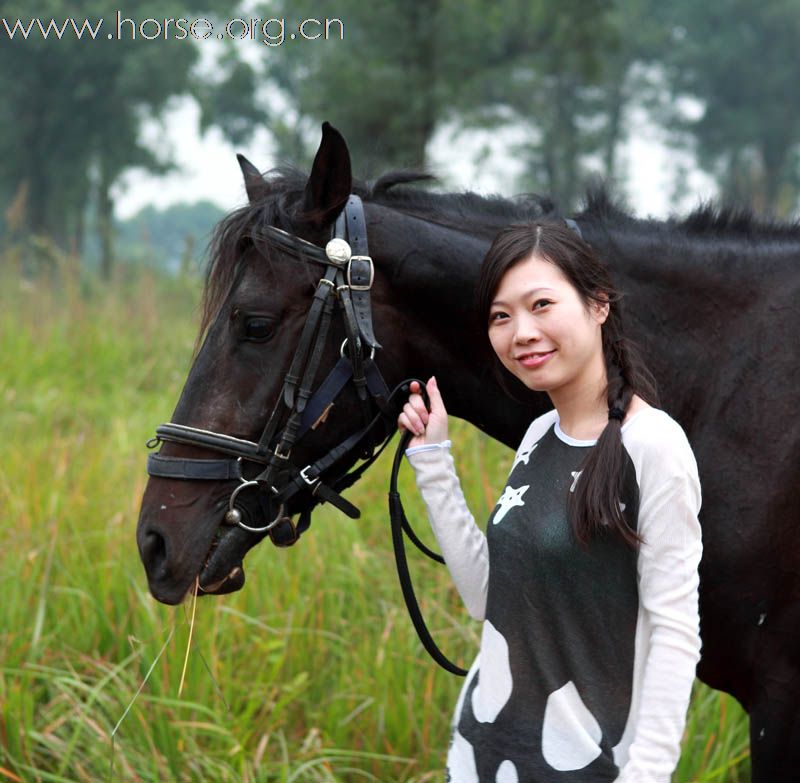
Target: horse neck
<point x="684" y="300"/>
<point x="431" y="271"/>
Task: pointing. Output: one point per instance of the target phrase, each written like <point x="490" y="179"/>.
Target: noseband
<point x="275" y="479"/>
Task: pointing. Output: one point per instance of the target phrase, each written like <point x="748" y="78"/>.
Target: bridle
<point x="274" y="478"/>
<point x="347" y="279"/>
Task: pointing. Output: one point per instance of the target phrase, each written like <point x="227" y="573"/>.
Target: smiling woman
<point x="587" y="579"/>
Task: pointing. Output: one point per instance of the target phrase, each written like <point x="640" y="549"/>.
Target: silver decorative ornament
<point x="338" y="251"/>
<point x="233" y="516"/>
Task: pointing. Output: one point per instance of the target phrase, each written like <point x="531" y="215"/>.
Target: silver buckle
<point x="371" y="273"/>
<point x="308" y="480"/>
<point x="344" y="343"/>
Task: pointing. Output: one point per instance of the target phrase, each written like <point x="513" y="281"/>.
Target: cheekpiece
<point x="338" y="251"/>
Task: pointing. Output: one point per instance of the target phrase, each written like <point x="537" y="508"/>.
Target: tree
<point x="72" y="110"/>
<point x="404" y="69"/>
<point x="739" y="60"/>
<point x="384" y="84"/>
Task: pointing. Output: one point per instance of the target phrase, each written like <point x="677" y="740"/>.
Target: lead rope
<point x="400" y="524"/>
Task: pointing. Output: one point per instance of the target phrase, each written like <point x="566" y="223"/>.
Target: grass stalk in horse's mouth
<point x="191" y="631"/>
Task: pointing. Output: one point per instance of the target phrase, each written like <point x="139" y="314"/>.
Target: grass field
<point x="311" y="673"/>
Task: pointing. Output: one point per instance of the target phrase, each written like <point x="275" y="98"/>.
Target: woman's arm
<point x="668" y="594"/>
<point x="462" y="543"/>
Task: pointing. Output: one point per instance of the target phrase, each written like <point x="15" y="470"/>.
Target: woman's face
<point x="542" y="331"/>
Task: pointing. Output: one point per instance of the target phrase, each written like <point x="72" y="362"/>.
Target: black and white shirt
<point x="587" y="655"/>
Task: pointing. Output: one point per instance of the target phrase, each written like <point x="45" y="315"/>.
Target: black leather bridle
<point x="347" y="279"/>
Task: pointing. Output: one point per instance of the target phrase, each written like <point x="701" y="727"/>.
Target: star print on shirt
<point x="576" y="474"/>
<point x="524" y="456"/>
<point x="511" y="497"/>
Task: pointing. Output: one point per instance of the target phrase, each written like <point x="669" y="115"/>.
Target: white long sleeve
<point x="462" y="543"/>
<point x="668" y="641"/>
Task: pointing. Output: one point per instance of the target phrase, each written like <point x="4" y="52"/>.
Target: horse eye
<point x="257" y="329"/>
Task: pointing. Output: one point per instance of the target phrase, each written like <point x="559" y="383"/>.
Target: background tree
<point x="739" y="61"/>
<point x="406" y="69"/>
<point x="546" y="71"/>
<point x="386" y="86"/>
<point x="72" y="111"/>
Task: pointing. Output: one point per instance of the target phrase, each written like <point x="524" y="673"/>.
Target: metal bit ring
<point x="233" y="516"/>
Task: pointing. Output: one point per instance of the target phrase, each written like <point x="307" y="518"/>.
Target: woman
<point x="586" y="580"/>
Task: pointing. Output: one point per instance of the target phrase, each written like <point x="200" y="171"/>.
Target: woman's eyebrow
<point x="525" y="295"/>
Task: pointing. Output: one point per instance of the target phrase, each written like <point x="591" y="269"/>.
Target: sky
<point x="475" y="160"/>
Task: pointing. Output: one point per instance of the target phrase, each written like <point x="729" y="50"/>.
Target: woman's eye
<point x="539" y="303"/>
<point x="497" y="317"/>
<point x="257" y="329"/>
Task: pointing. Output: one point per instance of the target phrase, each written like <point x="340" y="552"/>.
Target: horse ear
<point x="253" y="181"/>
<point x="331" y="179"/>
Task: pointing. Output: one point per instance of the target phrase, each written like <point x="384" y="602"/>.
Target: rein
<point x="276" y="480"/>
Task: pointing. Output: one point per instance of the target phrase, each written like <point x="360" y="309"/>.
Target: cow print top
<point x="587" y="655"/>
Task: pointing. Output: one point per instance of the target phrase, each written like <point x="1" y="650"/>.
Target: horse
<point x="711" y="298"/>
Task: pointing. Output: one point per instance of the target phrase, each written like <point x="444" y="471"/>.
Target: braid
<point x="619" y="392"/>
<point x="596" y="501"/>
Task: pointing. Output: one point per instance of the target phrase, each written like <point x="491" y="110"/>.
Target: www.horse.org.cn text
<point x="270" y="32"/>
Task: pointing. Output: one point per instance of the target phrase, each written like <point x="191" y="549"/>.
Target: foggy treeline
<point x="721" y="80"/>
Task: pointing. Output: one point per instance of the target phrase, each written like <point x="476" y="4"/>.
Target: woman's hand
<point x="428" y="426"/>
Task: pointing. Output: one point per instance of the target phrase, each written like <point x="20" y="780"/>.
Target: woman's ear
<point x="600" y="309"/>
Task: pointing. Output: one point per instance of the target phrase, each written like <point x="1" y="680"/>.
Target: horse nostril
<point x="154" y="550"/>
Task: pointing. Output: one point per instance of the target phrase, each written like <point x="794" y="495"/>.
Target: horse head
<point x="241" y="451"/>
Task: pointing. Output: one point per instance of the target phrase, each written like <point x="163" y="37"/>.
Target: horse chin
<point x="228" y="584"/>
<point x="223" y="569"/>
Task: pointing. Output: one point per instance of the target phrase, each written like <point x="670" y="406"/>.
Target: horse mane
<point x="473" y="213"/>
<point x="467" y="211"/>
<point x="739" y="221"/>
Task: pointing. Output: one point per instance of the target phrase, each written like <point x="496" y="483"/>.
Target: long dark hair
<point x="595" y="504"/>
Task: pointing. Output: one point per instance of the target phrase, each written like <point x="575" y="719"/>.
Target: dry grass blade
<point x="135" y="697"/>
<point x="191" y="631"/>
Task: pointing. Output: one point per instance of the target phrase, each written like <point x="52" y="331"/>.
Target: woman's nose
<point x="527" y="330"/>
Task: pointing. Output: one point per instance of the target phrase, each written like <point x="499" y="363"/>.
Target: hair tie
<point x="616" y="413"/>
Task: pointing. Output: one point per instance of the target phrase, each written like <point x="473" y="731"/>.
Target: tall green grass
<point x="311" y="673"/>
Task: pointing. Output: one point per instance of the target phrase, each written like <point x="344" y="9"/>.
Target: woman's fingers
<point x="416" y="416"/>
<point x="435" y="397"/>
<point x="404" y="424"/>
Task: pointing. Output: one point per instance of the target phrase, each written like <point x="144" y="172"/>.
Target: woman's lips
<point x="531" y="360"/>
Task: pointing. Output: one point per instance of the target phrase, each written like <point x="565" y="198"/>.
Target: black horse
<point x="713" y="299"/>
